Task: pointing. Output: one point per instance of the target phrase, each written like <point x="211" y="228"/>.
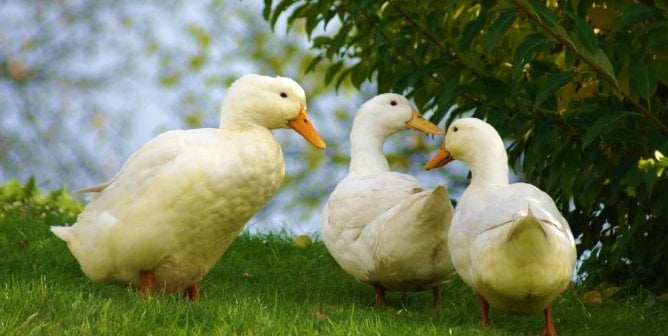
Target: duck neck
<point x="366" y="151"/>
<point x="231" y="116"/>
<point x="490" y="168"/>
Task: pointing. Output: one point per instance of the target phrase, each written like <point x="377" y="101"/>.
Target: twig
<point x="568" y="44"/>
<point x="434" y="39"/>
<point x="400" y="51"/>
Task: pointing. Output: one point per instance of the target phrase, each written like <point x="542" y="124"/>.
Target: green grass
<point x="262" y="286"/>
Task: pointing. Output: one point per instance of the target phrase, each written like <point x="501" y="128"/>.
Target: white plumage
<point x="508" y="241"/>
<point x="178" y="202"/>
<point x="383" y="227"/>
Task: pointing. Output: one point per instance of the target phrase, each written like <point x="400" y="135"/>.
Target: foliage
<point x="658" y="164"/>
<point x="579" y="88"/>
<point x="26" y="200"/>
<point x="263" y="286"/>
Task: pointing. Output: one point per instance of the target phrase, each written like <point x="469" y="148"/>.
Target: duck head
<point x="388" y="113"/>
<point x="472" y="141"/>
<point x="271" y="102"/>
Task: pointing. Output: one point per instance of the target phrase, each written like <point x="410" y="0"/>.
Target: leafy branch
<point x="422" y="29"/>
<point x="559" y="34"/>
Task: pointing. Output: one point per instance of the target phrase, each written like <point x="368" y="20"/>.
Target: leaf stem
<point x="524" y="9"/>
<point x="434" y="39"/>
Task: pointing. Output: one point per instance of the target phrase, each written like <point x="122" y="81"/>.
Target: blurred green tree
<point x="84" y="83"/>
<point x="579" y="88"/>
<point x="48" y="84"/>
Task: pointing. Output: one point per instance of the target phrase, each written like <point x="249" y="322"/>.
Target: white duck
<point x="508" y="241"/>
<point x="178" y="202"/>
<point x="382" y="227"/>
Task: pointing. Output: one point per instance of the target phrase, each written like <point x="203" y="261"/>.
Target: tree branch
<point x="533" y="17"/>
<point x="435" y="40"/>
<point x="399" y="50"/>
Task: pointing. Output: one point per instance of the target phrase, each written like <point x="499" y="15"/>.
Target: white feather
<point x="383" y="227"/>
<point x="508" y="241"/>
<point x="179" y="201"/>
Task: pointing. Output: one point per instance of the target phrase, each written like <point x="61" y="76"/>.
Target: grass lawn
<point x="262" y="286"/>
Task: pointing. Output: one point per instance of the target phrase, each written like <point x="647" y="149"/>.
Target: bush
<point x="27" y="201"/>
<point x="579" y="88"/>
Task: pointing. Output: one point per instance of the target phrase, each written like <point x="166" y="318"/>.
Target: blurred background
<point x="83" y="84"/>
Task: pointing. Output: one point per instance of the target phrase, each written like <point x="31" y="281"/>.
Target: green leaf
<point x="643" y="80"/>
<point x="322" y="42"/>
<point x="446" y="98"/>
<point x="584" y="34"/>
<point x="358" y="75"/>
<point x="602" y="126"/>
<point x="472" y="60"/>
<point x="531" y="45"/>
<point x="471" y="30"/>
<point x="332" y="71"/>
<point x="266" y="11"/>
<point x="280" y="8"/>
<point x="426" y="70"/>
<point x="651" y="178"/>
<point x="488" y="87"/>
<point x="552" y="83"/>
<point x="604" y="62"/>
<point x="451" y="5"/>
<point x="314" y="62"/>
<point x="312" y="20"/>
<point x="545" y="14"/>
<point x="657" y="30"/>
<point x="342" y="77"/>
<point x="498" y="29"/>
<point x="633" y="14"/>
<point x="330" y="15"/>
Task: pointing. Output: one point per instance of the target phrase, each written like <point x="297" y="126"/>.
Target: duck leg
<point x="191" y="293"/>
<point x="549" y="329"/>
<point x="146" y="286"/>
<point x="436" y="291"/>
<point x="380" y="295"/>
<point x="484" y="309"/>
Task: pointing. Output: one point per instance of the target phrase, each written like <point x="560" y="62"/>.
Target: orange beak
<point x="440" y="159"/>
<point x="302" y="125"/>
<point x="418" y="123"/>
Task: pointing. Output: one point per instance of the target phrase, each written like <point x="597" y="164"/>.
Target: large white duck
<point x="178" y="202"/>
<point x="383" y="227"/>
<point x="508" y="241"/>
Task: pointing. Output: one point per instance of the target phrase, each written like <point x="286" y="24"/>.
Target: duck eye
<point x="284" y="95"/>
<point x="393" y="103"/>
<point x="455" y="129"/>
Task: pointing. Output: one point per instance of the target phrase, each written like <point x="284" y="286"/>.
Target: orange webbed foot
<point x="436" y="291"/>
<point x="191" y="293"/>
<point x="484" y="309"/>
<point x="146" y="286"/>
<point x="549" y="329"/>
<point x="380" y="295"/>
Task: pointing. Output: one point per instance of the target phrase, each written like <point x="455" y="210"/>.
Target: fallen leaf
<point x="592" y="297"/>
<point x="320" y="316"/>
<point x="610" y="291"/>
<point x="302" y="241"/>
